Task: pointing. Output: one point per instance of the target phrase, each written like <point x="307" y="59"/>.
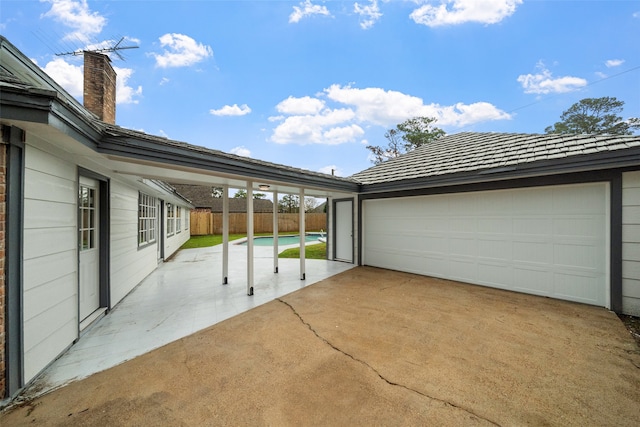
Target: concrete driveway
<point x="373" y="347"/>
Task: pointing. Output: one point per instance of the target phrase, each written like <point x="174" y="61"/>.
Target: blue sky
<point x="310" y="83"/>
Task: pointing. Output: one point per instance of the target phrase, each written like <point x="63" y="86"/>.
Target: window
<point x="88" y="224"/>
<point x="178" y="219"/>
<point x="171" y="219"/>
<point x="187" y="218"/>
<point x="147" y="219"/>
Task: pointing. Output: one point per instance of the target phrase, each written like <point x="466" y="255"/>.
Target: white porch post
<point x="225" y="234"/>
<point x="275" y="231"/>
<point x="249" y="238"/>
<point x="330" y="227"/>
<point x="302" y="236"/>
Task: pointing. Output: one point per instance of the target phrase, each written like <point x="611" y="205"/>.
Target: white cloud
<point x="314" y="129"/>
<point x="71" y="78"/>
<point x="369" y="107"/>
<point x="164" y="81"/>
<point x="614" y="63"/>
<point x="180" y="51"/>
<point x="125" y="94"/>
<point x="67" y="75"/>
<point x="369" y="14"/>
<point x="306" y="9"/>
<point x="304" y="105"/>
<point x="162" y="133"/>
<point x="453" y="12"/>
<point x="77" y="16"/>
<point x="231" y="110"/>
<point x="376" y="105"/>
<point x="544" y="82"/>
<point x="241" y="151"/>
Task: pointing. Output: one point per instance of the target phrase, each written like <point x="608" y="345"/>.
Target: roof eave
<point x="150" y="151"/>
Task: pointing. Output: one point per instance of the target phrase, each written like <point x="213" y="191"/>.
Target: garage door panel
<point x="576" y="287"/>
<point x="532" y="225"/>
<point x="533" y="252"/>
<point x="495" y="225"/>
<point x="462" y="225"/>
<point x="577" y="200"/>
<point x="463" y="247"/>
<point x="532" y="201"/>
<point x="535" y="281"/>
<point x="435" y="224"/>
<point x="494" y="248"/>
<point x="495" y="275"/>
<point x="493" y="203"/>
<point x="464" y="270"/>
<point x="579" y="226"/>
<point x="576" y="255"/>
<point x="549" y="241"/>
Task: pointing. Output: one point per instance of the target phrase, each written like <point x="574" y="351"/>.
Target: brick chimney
<point x="100" y="86"/>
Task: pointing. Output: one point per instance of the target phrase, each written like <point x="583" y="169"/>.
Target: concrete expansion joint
<point x="382" y="377"/>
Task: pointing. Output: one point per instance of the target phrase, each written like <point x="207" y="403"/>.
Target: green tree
<point x="289" y="204"/>
<point x="242" y="194"/>
<point x="595" y="116"/>
<point x="405" y="137"/>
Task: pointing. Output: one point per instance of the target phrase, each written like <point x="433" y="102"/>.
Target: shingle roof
<point x="469" y="152"/>
<point x="200" y="197"/>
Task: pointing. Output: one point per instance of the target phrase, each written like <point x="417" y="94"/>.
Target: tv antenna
<point x="115" y="48"/>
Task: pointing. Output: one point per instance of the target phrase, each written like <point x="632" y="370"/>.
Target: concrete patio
<point x="183" y="296"/>
<point x="368" y="347"/>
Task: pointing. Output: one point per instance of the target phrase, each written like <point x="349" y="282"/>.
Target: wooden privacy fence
<point x="204" y="223"/>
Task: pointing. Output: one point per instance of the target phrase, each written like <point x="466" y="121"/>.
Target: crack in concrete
<point x="382" y="377"/>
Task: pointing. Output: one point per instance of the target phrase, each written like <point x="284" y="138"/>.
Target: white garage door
<point x="550" y="241"/>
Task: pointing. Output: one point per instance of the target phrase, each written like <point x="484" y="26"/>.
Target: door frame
<point x="335" y="229"/>
<point x="104" y="239"/>
<point x="13" y="139"/>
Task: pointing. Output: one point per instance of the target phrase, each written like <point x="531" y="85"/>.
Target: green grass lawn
<point x="317" y="251"/>
<point x="206" y="241"/>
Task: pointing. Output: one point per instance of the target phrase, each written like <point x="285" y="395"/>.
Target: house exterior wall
<point x="631" y="243"/>
<point x="3" y="192"/>
<point x="50" y="304"/>
<point x="129" y="265"/>
<point x="174" y="241"/>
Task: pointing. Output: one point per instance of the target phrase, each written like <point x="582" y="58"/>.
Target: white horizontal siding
<point x="129" y="265"/>
<point x="50" y="304"/>
<point x="173" y="242"/>
<point x="631" y="243"/>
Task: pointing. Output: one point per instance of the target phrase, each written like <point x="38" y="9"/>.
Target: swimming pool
<point x="284" y="240"/>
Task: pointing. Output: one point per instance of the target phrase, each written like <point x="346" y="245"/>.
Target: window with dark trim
<point x="147" y="219"/>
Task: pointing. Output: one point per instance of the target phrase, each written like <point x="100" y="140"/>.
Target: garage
<point x="550" y="240"/>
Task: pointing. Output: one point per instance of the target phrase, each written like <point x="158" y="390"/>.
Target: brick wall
<point x="99" y="93"/>
<point x="3" y="189"/>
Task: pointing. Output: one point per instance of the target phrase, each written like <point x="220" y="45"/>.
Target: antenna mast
<point x="115" y="48"/>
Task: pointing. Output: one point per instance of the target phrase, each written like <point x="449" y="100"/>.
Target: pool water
<point x="284" y="240"/>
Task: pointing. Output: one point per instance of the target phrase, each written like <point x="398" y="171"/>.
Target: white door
<point x="550" y="241"/>
<point x="89" y="246"/>
<point x="344" y="230"/>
